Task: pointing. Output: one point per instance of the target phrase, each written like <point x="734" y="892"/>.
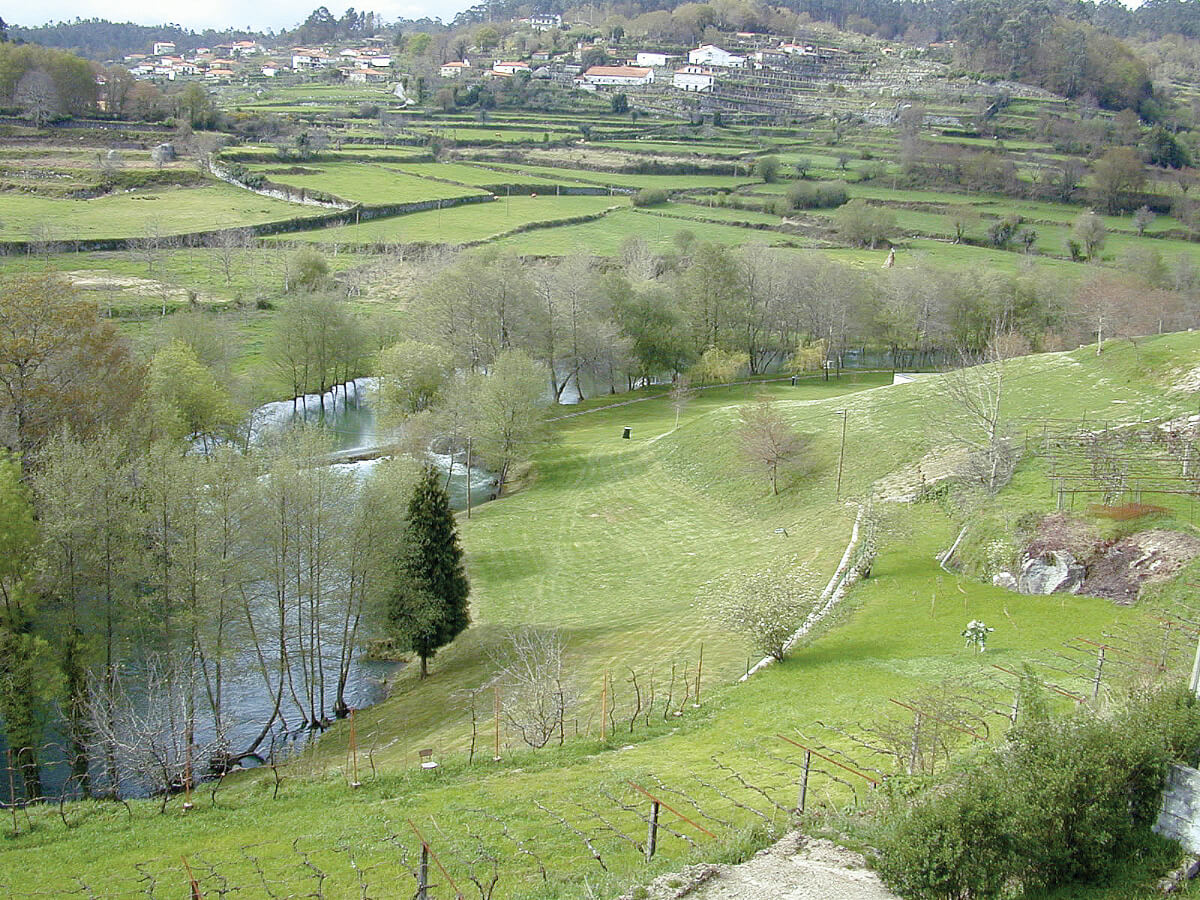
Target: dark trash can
<point x="627" y="432"/>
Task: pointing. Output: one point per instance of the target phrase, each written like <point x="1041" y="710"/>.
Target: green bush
<point x="649" y="197"/>
<point x="1063" y="801"/>
<point x="816" y="195"/>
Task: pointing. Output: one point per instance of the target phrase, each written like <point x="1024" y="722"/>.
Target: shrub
<point x="1064" y="800"/>
<point x="649" y="197"/>
<point x="816" y="195"/>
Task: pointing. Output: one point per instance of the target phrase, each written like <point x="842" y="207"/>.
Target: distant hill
<point x="100" y="39"/>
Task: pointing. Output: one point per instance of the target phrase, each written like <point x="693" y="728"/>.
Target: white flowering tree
<point x="765" y="607"/>
<point x="976" y="634"/>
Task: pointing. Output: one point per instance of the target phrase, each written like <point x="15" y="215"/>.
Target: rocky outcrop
<point x="1054" y="572"/>
<point x="1116" y="571"/>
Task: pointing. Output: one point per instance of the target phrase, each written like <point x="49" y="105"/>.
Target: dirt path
<point x="794" y="868"/>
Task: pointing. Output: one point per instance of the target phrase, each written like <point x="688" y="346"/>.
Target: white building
<point x="543" y="23"/>
<point x="509" y="68"/>
<point x="694" y="78"/>
<point x="712" y="55"/>
<point x="453" y="69"/>
<point x="617" y="75"/>
<point x="364" y="76"/>
<point x="163" y="47"/>
<point x="653" y="59"/>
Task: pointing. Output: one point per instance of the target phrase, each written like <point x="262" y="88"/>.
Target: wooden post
<point x="842" y="453"/>
<point x="604" y="708"/>
<point x="12" y="790"/>
<point x="652" y="831"/>
<point x="187" y="779"/>
<point x="468" y="478"/>
<point x="699" y="672"/>
<point x="804" y="782"/>
<point x="1099" y="674"/>
<point x="354" y="750"/>
<point x="496" y="721"/>
<point x="193" y="886"/>
<point x="423" y="874"/>
<point x="915" y="749"/>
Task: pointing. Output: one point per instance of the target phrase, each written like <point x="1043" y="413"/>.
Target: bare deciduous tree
<point x="37" y="95"/>
<point x="768" y="442"/>
<point x="974" y="418"/>
<point x="536" y="687"/>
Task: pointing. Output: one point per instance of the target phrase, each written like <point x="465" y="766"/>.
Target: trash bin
<point x="793" y="381"/>
<point x="626" y="432"/>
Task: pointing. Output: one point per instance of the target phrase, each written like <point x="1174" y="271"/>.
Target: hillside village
<point x="762" y="73"/>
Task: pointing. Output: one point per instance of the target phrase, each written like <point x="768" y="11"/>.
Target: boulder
<point x="1051" y="572"/>
<point x="1006" y="580"/>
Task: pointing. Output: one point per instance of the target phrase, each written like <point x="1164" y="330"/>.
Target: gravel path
<point x="795" y="868"/>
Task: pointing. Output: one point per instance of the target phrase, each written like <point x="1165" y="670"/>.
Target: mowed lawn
<point x="612" y="541"/>
<point x="464" y="224"/>
<point x="161" y="212"/>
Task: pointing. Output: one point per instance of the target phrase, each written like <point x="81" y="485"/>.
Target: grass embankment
<point x="373" y="184"/>
<point x="157" y="212"/>
<point x="610" y="541"/>
<point x="464" y="224"/>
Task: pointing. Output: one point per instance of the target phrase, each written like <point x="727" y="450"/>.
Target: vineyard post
<point x="652" y="831"/>
<point x="804" y="782"/>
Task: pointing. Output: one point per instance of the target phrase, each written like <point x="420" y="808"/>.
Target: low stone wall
<point x="1179" y="818"/>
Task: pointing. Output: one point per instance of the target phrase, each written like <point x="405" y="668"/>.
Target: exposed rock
<point x="1054" y="571"/>
<point x="1146" y="557"/>
<point x="1006" y="580"/>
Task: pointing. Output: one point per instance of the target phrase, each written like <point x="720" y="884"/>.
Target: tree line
<point x="152" y="561"/>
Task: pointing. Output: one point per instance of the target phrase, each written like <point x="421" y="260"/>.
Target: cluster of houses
<point x="241" y="58"/>
<point x="371" y="62"/>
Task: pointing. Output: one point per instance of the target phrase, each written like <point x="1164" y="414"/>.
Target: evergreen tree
<point x="427" y="601"/>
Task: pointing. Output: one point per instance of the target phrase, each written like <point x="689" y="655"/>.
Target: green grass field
<point x="607" y="236"/>
<point x="611" y="542"/>
<point x="463" y="224"/>
<point x="368" y="183"/>
<point x="136" y="214"/>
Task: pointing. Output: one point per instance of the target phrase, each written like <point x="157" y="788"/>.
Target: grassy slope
<point x="169" y="210"/>
<point x="374" y="184"/>
<point x="610" y="542"/>
<point x="461" y="224"/>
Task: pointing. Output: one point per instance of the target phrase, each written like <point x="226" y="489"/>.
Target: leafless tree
<point x="974" y="418"/>
<point x="768" y="442"/>
<point x="536" y="687"/>
<point x="681" y="394"/>
<point x="148" y="733"/>
<point x="37" y="95"/>
<point x="227" y="243"/>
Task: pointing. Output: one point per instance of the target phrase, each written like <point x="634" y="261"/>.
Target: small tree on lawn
<point x="766" y="608"/>
<point x="427" y="599"/>
<point x="768" y="442"/>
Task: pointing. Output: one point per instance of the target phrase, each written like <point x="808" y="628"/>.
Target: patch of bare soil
<point x="794" y="868"/>
<point x="906" y="484"/>
<point x="1121" y="570"/>
<point x="131" y="285"/>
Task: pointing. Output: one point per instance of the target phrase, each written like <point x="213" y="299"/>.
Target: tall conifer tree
<point x="427" y="606"/>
